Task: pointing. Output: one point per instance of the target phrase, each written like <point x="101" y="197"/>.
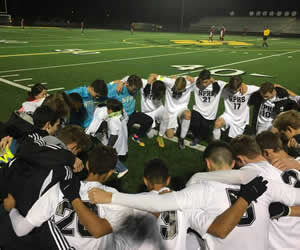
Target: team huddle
<point x="58" y="150"/>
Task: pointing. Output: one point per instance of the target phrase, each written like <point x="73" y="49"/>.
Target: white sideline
<point x="21" y="80"/>
<point x="106" y="61"/>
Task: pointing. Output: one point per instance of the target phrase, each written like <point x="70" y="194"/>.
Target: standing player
<point x="22" y="23"/>
<point x="82" y="26"/>
<point x="207" y="94"/>
<point x="222" y="33"/>
<point x="131" y="28"/>
<point x="178" y="94"/>
<point x="236" y="114"/>
<point x="266" y="35"/>
<point x="211" y="33"/>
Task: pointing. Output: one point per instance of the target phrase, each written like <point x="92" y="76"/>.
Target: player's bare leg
<point x="219" y="123"/>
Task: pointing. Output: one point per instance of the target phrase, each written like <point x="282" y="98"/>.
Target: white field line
<point x="241" y="62"/>
<point x="14" y="84"/>
<point x="49" y="90"/>
<point x="10" y="75"/>
<point x="21" y="80"/>
<point x="106" y="61"/>
<point x="32" y="84"/>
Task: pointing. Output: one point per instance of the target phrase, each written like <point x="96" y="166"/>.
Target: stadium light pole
<point x="182" y="15"/>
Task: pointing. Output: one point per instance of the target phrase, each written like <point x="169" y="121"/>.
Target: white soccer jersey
<point x="148" y="104"/>
<point x="206" y="103"/>
<point x="283" y="232"/>
<point x="52" y="204"/>
<point x="173" y="226"/>
<point x="252" y="231"/>
<point x="117" y="125"/>
<point x="174" y="105"/>
<point x="100" y="115"/>
<point x="236" y="105"/>
<point x="265" y="116"/>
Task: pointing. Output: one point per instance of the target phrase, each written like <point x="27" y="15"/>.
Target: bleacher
<point x="278" y="25"/>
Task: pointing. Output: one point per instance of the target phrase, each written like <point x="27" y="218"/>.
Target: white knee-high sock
<point x="184" y="128"/>
<point x="217" y="133"/>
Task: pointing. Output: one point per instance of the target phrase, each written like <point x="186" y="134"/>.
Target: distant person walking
<point x="131" y="28"/>
<point x="22" y="23"/>
<point x="82" y="26"/>
<point x="266" y="35"/>
<point x="211" y="33"/>
<point x="222" y="33"/>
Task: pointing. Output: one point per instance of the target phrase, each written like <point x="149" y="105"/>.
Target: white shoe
<point x="121" y="174"/>
<point x="151" y="133"/>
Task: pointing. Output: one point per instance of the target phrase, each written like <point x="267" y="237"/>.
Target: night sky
<point x="154" y="11"/>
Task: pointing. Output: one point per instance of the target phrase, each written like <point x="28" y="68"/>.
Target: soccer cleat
<point x="121" y="174"/>
<point x="160" y="141"/>
<point x="194" y="142"/>
<point x="181" y="143"/>
<point x="136" y="139"/>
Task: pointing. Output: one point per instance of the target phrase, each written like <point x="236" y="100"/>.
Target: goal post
<point x="3" y="7"/>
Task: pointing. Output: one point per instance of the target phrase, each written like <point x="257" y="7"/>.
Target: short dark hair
<point x="76" y="98"/>
<point x="235" y="82"/>
<point x="74" y="134"/>
<point x="59" y="102"/>
<point x="158" y="90"/>
<point x="269" y="140"/>
<point x="102" y="159"/>
<point x="44" y="114"/>
<point x="156" y="171"/>
<point x="266" y="87"/>
<point x="135" y="81"/>
<point x="100" y="87"/>
<point x="219" y="153"/>
<point x="114" y="105"/>
<point x="245" y="145"/>
<point x="36" y="89"/>
<point x="204" y="74"/>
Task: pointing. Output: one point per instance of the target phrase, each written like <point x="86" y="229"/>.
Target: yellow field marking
<point x="214" y="43"/>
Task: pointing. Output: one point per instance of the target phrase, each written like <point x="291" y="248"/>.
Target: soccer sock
<point x="184" y="128"/>
<point x="217" y="133"/>
<point x="164" y="125"/>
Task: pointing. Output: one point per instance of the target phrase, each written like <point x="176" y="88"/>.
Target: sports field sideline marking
<point x="93" y="50"/>
<point x="240" y="62"/>
<point x="21" y="80"/>
<point x="49" y="90"/>
<point x="10" y="75"/>
<point x="30" y="85"/>
<point x="14" y="84"/>
<point x="106" y="61"/>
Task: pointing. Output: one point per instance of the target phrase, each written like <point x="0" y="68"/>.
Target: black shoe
<point x="181" y="143"/>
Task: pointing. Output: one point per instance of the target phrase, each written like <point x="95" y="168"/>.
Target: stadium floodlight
<point x="294" y="13"/>
<point x="286" y="13"/>
<point x="231" y="13"/>
<point x="271" y="13"/>
<point x="258" y="13"/>
<point x="279" y="13"/>
<point x="251" y="13"/>
<point x="265" y="13"/>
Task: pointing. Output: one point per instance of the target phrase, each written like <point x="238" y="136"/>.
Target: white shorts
<point x="235" y="128"/>
<point x="174" y="117"/>
<point x="158" y="115"/>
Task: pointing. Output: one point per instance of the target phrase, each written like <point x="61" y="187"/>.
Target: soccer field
<point x="67" y="58"/>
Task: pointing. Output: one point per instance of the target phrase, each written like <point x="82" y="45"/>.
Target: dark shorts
<point x="265" y="38"/>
